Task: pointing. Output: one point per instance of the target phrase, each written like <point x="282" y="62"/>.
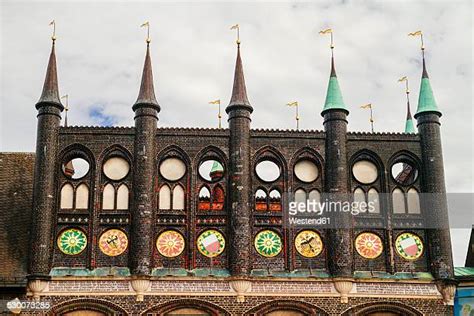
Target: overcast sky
<point x="100" y="53"/>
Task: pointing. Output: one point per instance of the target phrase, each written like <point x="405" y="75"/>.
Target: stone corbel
<point x="241" y="286"/>
<point x="140" y="285"/>
<point x="36" y="287"/>
<point x="447" y="290"/>
<point x="343" y="287"/>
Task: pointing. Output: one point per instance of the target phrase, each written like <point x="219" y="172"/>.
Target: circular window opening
<point x="365" y="171"/>
<point x="116" y="168"/>
<point x="306" y="171"/>
<point x="267" y="171"/>
<point x="211" y="170"/>
<point x="75" y="168"/>
<point x="172" y="169"/>
<point x="404" y="173"/>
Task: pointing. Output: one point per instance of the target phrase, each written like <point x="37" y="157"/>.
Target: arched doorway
<point x="382" y="309"/>
<point x="286" y="308"/>
<point x="186" y="307"/>
<point x="84" y="312"/>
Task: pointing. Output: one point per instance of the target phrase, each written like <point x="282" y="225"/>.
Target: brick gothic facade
<point x="148" y="200"/>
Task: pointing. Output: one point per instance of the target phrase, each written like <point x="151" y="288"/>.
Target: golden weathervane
<point x="147" y="24"/>
<point x="53" y="36"/>
<point x="237" y="27"/>
<point x="371" y="120"/>
<point x="329" y="31"/>
<point x="219" y="116"/>
<point x="297" y="117"/>
<point x="66" y="108"/>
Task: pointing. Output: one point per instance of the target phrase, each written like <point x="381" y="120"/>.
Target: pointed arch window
<point x="218" y="198"/>
<point x="261" y="200"/>
<point x="164" y="202"/>
<point x="67" y="196"/>
<point x="204" y="199"/>
<point x="178" y="198"/>
<point x="373" y="201"/>
<point x="359" y="201"/>
<point x="315" y="196"/>
<point x="122" y="197"/>
<point x="398" y="201"/>
<point x="108" y="197"/>
<point x="82" y="196"/>
<point x="413" y="201"/>
<point x="275" y="200"/>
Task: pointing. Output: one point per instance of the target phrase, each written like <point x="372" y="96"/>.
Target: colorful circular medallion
<point x="211" y="243"/>
<point x="308" y="243"/>
<point x="268" y="243"/>
<point x="113" y="242"/>
<point x="369" y="245"/>
<point x="170" y="243"/>
<point x="409" y="246"/>
<point x="72" y="241"/>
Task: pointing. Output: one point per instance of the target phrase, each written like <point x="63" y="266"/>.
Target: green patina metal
<point x="334" y="96"/>
<point x="99" y="272"/>
<point x="396" y="276"/>
<point x="426" y="100"/>
<point x="464" y="271"/>
<point x="409" y="127"/>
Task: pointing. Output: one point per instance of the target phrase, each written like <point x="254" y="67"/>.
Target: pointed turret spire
<point x="426" y="99"/>
<point x="409" y="127"/>
<point x="334" y="98"/>
<point x="50" y="92"/>
<point x="146" y="96"/>
<point x="239" y="91"/>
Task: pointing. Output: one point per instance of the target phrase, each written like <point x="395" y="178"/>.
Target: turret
<point x="44" y="193"/>
<point x="239" y="111"/>
<point x="434" y="198"/>
<point x="336" y="186"/>
<point x="146" y="110"/>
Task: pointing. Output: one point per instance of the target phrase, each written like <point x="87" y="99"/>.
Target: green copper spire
<point x="426" y="100"/>
<point x="334" y="99"/>
<point x="409" y="127"/>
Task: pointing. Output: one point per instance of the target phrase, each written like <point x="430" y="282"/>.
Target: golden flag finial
<point x="371" y="120"/>
<point x="236" y="27"/>
<point x="66" y="108"/>
<point x="219" y="116"/>
<point x="147" y="24"/>
<point x="53" y="23"/>
<point x="297" y="117"/>
<point x="405" y="79"/>
<point x="328" y="31"/>
<point x="420" y="34"/>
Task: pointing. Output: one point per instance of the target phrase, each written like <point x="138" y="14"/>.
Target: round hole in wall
<point x="75" y="168"/>
<point x="116" y="168"/>
<point x="404" y="173"/>
<point x="365" y="171"/>
<point x="267" y="171"/>
<point x="172" y="169"/>
<point x="211" y="170"/>
<point x="306" y="170"/>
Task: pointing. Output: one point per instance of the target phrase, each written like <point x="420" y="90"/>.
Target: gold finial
<point x="420" y="34"/>
<point x="371" y="119"/>
<point x="66" y="108"/>
<point x="297" y="117"/>
<point x="328" y="31"/>
<point x="53" y="36"/>
<point x="147" y="24"/>
<point x="405" y="79"/>
<point x="236" y="27"/>
<point x="219" y="116"/>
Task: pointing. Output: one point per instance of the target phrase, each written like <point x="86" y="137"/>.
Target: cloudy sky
<point x="100" y="51"/>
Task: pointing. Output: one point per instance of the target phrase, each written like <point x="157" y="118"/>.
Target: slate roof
<point x="16" y="193"/>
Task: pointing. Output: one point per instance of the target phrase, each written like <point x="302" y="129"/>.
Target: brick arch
<point x="207" y="307"/>
<point x="96" y="305"/>
<point x="297" y="306"/>
<point x="393" y="307"/>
